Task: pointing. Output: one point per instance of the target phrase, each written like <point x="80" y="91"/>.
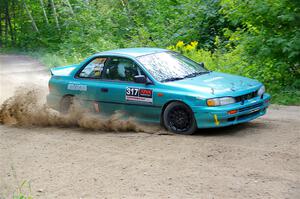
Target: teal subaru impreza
<point x="158" y="85"/>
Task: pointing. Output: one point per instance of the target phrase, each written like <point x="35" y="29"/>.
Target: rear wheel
<point x="179" y="118"/>
<point x="66" y="104"/>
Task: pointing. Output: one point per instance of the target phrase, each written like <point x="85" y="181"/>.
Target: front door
<point x="136" y="99"/>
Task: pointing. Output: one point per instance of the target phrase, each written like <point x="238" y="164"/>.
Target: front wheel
<point x="179" y="118"/>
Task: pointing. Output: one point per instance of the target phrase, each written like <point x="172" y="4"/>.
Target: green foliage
<point x="233" y="62"/>
<point x="254" y="38"/>
<point x="21" y="196"/>
<point x="23" y="191"/>
<point x="270" y="37"/>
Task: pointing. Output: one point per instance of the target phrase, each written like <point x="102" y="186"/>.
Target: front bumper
<point x="209" y="117"/>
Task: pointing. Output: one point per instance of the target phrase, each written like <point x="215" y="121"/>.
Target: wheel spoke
<point x="179" y="119"/>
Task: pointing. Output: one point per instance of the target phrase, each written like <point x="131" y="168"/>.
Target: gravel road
<point x="259" y="159"/>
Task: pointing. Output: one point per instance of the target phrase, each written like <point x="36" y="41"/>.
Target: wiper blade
<point x="172" y="79"/>
<point x="196" y="74"/>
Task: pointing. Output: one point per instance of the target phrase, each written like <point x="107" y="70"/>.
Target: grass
<point x="23" y="191"/>
<point x="286" y="97"/>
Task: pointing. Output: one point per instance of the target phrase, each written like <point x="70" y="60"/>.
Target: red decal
<point x="146" y="92"/>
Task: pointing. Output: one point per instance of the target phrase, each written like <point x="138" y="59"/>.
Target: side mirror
<point x="140" y="79"/>
<point x="201" y="64"/>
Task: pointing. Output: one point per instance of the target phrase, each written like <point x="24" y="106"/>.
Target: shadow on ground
<point x="236" y="130"/>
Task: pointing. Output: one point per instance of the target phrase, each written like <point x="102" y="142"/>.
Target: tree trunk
<point x="1" y="25"/>
<point x="6" y="23"/>
<point x="31" y="18"/>
<point x="8" y="19"/>
<point x="14" y="20"/>
<point x="55" y="14"/>
<point x="44" y="12"/>
<point x="125" y="6"/>
<point x="70" y="7"/>
<point x="128" y="11"/>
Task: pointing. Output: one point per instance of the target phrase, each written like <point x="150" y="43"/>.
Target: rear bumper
<point x="209" y="117"/>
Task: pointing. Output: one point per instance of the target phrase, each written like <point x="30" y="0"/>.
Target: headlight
<point x="220" y="101"/>
<point x="261" y="91"/>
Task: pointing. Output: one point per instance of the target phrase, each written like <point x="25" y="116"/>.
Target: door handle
<point x="104" y="90"/>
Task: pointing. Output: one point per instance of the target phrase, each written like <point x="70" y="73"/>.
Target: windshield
<point x="171" y="66"/>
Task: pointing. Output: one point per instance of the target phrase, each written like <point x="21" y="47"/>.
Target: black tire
<point x="179" y="118"/>
<point x="66" y="103"/>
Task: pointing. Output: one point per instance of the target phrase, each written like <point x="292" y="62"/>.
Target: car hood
<point x="217" y="84"/>
<point x="63" y="70"/>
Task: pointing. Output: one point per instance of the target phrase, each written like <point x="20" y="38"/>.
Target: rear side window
<point x="94" y="68"/>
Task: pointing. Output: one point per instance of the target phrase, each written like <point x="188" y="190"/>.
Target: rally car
<point x="158" y="85"/>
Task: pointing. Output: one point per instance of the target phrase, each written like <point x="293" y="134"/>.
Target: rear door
<point x="89" y="77"/>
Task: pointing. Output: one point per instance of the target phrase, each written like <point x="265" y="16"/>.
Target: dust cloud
<point x="25" y="108"/>
<point x="23" y="90"/>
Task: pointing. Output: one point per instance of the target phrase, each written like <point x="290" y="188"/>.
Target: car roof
<point x="133" y="52"/>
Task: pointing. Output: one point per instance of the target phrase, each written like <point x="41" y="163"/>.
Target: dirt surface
<point x="259" y="159"/>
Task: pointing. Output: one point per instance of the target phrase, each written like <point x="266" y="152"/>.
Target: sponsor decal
<point x="139" y="95"/>
<point x="77" y="87"/>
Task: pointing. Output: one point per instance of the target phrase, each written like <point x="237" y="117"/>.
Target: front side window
<point x="169" y="66"/>
<point x="121" y="69"/>
<point x="94" y="68"/>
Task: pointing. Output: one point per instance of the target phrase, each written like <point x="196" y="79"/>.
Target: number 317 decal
<point x="139" y="95"/>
